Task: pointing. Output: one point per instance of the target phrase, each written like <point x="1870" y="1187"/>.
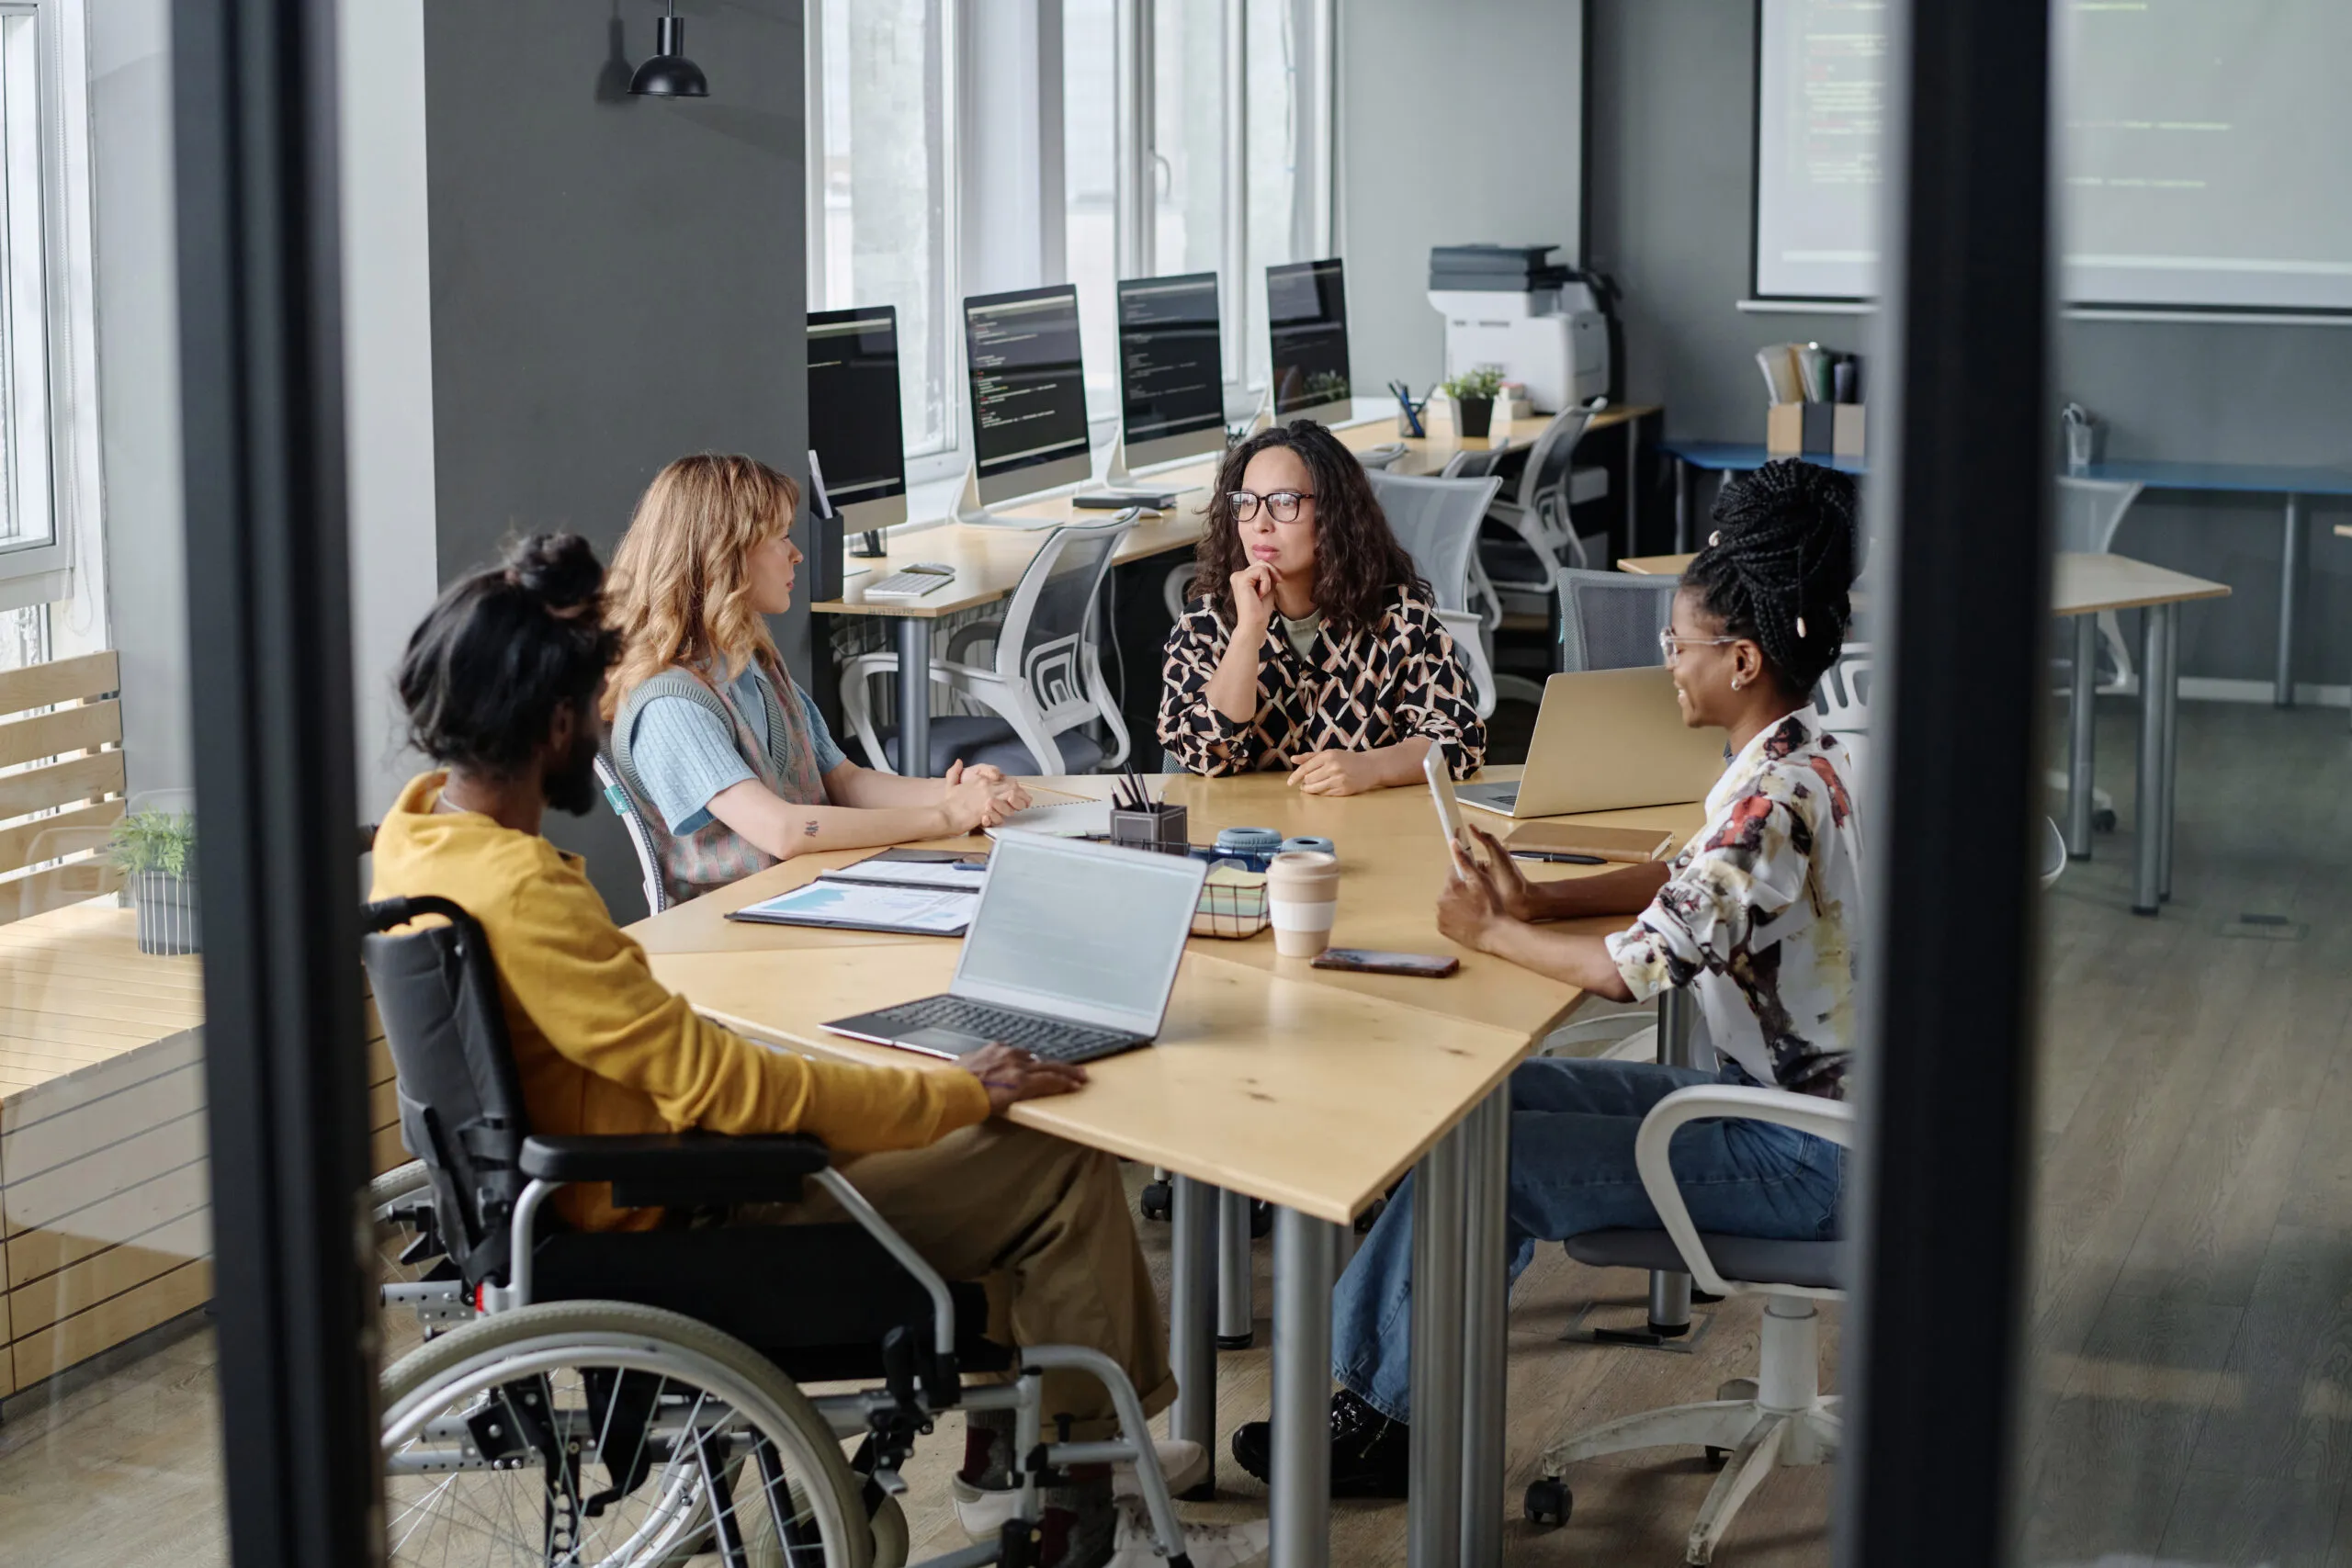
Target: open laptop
<point x="1605" y="739"/>
<point x="1071" y="955"/>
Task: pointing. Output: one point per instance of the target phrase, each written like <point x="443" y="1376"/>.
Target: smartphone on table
<point x="1365" y="961"/>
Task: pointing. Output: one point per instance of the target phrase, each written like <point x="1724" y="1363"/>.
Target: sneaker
<point x="983" y="1511"/>
<point x="1371" y="1455"/>
<point x="1205" y="1546"/>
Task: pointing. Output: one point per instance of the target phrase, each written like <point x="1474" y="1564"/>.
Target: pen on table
<point x="1557" y="857"/>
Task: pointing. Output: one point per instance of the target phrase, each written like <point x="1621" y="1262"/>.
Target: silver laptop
<point x="1071" y="955"/>
<point x="1606" y="739"/>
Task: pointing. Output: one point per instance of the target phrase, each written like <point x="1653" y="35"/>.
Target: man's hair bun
<point x="560" y="571"/>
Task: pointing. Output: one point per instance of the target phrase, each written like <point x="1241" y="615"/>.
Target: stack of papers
<point x="858" y="906"/>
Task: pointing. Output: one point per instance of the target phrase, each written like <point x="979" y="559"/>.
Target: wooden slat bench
<point x="105" y="1184"/>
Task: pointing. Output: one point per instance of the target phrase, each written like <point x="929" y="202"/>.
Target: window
<point x="878" y="154"/>
<point x="44" y="284"/>
<point x="1213" y="156"/>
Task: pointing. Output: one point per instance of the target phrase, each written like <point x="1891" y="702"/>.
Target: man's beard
<point x="572" y="787"/>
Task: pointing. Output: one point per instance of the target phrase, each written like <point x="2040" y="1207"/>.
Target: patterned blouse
<point x="1760" y="915"/>
<point x="1375" y="687"/>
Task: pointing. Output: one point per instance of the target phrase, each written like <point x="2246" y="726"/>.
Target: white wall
<point x="388" y="366"/>
<point x="388" y="370"/>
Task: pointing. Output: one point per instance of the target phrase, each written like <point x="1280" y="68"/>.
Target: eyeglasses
<point x="1671" y="645"/>
<point x="1281" y="505"/>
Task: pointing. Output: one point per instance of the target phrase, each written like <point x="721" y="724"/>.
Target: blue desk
<point x="2288" y="480"/>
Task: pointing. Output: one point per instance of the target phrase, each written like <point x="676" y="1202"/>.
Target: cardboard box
<point x="1792" y="430"/>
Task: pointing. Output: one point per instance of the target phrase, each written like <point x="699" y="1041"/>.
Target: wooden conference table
<point x="1311" y="1088"/>
<point x="2081" y="586"/>
<point x="988" y="561"/>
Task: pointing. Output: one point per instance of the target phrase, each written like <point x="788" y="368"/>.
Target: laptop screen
<point x="1081" y="931"/>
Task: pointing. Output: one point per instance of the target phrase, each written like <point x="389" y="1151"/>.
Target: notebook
<point x="864" y="906"/>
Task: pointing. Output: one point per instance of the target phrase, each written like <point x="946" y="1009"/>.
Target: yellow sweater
<point x="601" y="1045"/>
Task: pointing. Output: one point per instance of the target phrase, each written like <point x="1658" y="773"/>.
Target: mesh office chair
<point x="1610" y="620"/>
<point x="2089" y="513"/>
<point x="1437" y="521"/>
<point x="1044" y="681"/>
<point x="634" y="1396"/>
<point x="1540" y="487"/>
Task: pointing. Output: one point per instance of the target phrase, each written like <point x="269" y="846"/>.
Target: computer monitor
<point x="854" y="414"/>
<point x="1306" y="326"/>
<point x="1028" y="388"/>
<point x="1171" y="368"/>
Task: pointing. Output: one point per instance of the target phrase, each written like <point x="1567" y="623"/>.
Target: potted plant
<point x="1474" y="392"/>
<point x="155" y="851"/>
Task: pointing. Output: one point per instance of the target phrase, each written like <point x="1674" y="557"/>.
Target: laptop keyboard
<point x="1048" y="1037"/>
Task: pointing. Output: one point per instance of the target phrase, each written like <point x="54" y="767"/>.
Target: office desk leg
<point x="1433" y="1513"/>
<point x="1237" y="1304"/>
<point x="2155" y="652"/>
<point x="1191" y="1313"/>
<point x="1299" y="1501"/>
<point x="1670" y="1287"/>
<point x="1486" y="1312"/>
<point x="1633" y="487"/>
<point x="2083" y="710"/>
<point x="1683" y="481"/>
<point x="914" y="696"/>
<point x="2171" y="676"/>
<point x="2290" y="576"/>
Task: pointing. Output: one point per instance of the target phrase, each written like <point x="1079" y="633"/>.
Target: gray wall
<point x="139" y="381"/>
<point x="1458" y="124"/>
<point x="1671" y="123"/>
<point x="616" y="281"/>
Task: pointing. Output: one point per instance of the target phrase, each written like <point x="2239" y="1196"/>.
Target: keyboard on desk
<point x="950" y="1026"/>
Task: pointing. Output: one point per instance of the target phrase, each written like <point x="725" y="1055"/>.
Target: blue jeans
<point x="1572" y="1127"/>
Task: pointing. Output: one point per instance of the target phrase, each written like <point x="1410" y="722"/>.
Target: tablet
<point x="1435" y="768"/>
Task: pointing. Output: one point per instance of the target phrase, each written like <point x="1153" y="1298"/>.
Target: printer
<point x="1544" y="325"/>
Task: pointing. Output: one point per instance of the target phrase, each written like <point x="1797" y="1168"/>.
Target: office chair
<point x="1437" y="521"/>
<point x="640" y="833"/>
<point x="635" y="1397"/>
<point x="1780" y="1416"/>
<point x="1045" y="679"/>
<point x="1610" y="620"/>
<point x="2089" y="513"/>
<point x="1540" y="488"/>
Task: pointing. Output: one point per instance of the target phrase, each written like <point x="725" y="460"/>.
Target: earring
<point x="1735" y="683"/>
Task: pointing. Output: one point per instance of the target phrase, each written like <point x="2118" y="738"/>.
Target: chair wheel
<point x="2103" y="821"/>
<point x="1261" y="1219"/>
<point x="1548" y="1501"/>
<point x="1717" y="1458"/>
<point x="1159" y="1200"/>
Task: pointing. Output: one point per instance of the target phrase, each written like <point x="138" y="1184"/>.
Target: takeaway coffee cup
<point x="1303" y="897"/>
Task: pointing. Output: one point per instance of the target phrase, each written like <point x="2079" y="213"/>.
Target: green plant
<point x="1480" y="381"/>
<point x="154" y="840"/>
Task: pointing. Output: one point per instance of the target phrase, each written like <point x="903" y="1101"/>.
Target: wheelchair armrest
<point x="659" y="1169"/>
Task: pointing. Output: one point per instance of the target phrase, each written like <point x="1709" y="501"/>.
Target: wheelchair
<point x="634" y="1399"/>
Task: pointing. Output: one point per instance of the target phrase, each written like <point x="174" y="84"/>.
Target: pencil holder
<point x="1161" y="827"/>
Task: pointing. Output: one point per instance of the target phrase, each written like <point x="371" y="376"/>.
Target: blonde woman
<point x="727" y="758"/>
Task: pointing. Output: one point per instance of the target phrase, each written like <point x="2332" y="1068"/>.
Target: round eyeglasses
<point x="1281" y="505"/>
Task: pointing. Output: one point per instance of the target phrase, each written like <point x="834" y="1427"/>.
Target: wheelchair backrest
<point x="461" y="1103"/>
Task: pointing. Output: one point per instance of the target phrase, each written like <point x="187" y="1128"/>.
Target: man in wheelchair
<point x="501" y="683"/>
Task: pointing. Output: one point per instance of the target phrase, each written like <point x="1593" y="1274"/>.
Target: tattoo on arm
<point x="808" y="828"/>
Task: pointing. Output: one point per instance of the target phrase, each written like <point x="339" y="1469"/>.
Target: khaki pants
<point x="1043" y="1225"/>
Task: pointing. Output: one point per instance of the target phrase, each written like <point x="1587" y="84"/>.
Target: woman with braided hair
<point x="1757" y="916"/>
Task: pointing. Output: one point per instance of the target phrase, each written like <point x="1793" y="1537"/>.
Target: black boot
<point x="1370" y="1454"/>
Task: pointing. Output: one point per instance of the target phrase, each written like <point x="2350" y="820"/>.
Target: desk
<point x="2081" y="586"/>
<point x="2294" y="482"/>
<point x="1311" y="1088"/>
<point x="988" y="562"/>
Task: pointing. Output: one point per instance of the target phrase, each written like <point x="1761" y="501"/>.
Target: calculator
<point x="913" y="581"/>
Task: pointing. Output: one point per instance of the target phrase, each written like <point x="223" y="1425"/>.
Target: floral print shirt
<point x="1373" y="687"/>
<point x="1760" y="915"/>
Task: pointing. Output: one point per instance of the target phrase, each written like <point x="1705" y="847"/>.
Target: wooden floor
<point x="2190" y="1393"/>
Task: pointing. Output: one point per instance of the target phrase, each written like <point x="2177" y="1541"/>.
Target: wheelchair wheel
<point x="609" y="1435"/>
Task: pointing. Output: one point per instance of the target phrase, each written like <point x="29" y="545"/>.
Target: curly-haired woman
<point x="727" y="758"/>
<point x="1314" y="645"/>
